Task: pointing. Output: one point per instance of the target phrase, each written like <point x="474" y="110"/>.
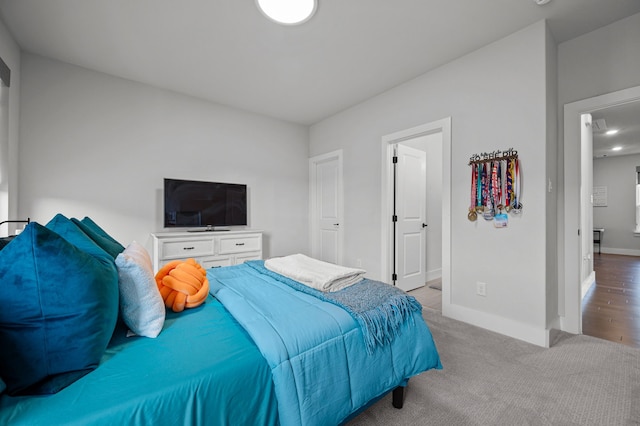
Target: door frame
<point x="570" y="288"/>
<point x="388" y="141"/>
<point x="313" y="205"/>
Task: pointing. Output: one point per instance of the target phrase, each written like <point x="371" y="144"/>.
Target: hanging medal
<point x="500" y="219"/>
<point x="488" y="204"/>
<point x="479" y="207"/>
<point x="517" y="207"/>
<point x="472" y="216"/>
<point x="495" y="187"/>
<point x="499" y="205"/>
<point x="509" y="195"/>
<point x="505" y="198"/>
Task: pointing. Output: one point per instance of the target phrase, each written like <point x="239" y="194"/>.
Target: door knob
<point x="424" y="225"/>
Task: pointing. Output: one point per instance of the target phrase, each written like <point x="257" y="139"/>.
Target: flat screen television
<point x="197" y="204"/>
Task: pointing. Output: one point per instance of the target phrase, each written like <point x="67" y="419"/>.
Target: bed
<point x="320" y="363"/>
<point x="262" y="349"/>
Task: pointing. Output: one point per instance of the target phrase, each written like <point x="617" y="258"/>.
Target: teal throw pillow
<point x="97" y="234"/>
<point x="4" y="241"/>
<point x="71" y="232"/>
<point x="59" y="310"/>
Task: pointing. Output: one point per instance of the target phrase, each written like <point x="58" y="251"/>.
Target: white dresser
<point x="210" y="249"/>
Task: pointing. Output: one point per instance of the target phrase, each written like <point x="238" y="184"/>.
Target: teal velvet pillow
<point x="4" y="241"/>
<point x="97" y="234"/>
<point x="59" y="309"/>
<point x="71" y="232"/>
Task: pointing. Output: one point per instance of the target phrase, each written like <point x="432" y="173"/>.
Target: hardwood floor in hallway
<point x="611" y="308"/>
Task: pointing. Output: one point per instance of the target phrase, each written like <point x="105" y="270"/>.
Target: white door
<point x="326" y="207"/>
<point x="586" y="194"/>
<point x="410" y="210"/>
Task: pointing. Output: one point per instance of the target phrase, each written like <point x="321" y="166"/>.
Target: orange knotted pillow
<point x="182" y="284"/>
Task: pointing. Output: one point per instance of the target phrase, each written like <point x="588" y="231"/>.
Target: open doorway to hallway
<point x="418" y="208"/>
<point x="611" y="307"/>
<point x="441" y="128"/>
<point x="578" y="204"/>
<point x="430" y="295"/>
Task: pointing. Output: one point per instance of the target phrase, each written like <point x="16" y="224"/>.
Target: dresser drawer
<point x="238" y="244"/>
<point x="215" y="262"/>
<point x="243" y="257"/>
<point x="187" y="248"/>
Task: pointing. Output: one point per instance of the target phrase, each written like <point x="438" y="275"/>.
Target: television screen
<point x="189" y="203"/>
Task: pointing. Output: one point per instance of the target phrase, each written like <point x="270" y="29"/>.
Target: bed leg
<point x="398" y="397"/>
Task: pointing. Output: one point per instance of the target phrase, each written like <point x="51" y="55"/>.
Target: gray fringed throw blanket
<point x="379" y="309"/>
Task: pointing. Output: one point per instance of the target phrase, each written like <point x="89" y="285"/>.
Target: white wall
<point x="92" y="144"/>
<point x="618" y="218"/>
<point x="10" y="53"/>
<point x="496" y="97"/>
<point x="552" y="303"/>
<point x="599" y="62"/>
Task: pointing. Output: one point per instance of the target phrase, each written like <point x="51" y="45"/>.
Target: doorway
<point x="610" y="307"/>
<point x="437" y="131"/>
<point x="577" y="202"/>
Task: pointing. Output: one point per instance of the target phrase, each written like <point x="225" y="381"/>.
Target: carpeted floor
<point x="490" y="379"/>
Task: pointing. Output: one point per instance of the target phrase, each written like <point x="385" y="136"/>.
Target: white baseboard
<point x="515" y="329"/>
<point x="586" y="284"/>
<point x="434" y="274"/>
<point x="626" y="252"/>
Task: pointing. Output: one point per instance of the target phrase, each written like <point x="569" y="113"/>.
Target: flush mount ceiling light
<point x="616" y="148"/>
<point x="288" y="12"/>
<point x="541" y="2"/>
<point x="611" y="132"/>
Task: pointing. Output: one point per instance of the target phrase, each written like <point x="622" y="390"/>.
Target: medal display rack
<point x="495" y="186"/>
<point x="493" y="155"/>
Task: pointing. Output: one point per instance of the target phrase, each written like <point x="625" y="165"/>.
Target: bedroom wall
<point x="602" y="61"/>
<point x="496" y="97"/>
<point x="97" y="145"/>
<point x="10" y="53"/>
<point x="618" y="218"/>
<point x="551" y="163"/>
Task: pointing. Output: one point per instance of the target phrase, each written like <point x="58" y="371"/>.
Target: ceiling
<point x="624" y="118"/>
<point x="226" y="51"/>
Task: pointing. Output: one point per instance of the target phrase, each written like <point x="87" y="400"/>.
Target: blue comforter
<point x="202" y="369"/>
<point x="321" y="369"/>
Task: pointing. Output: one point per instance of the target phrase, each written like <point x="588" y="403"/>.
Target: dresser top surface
<point x="203" y="233"/>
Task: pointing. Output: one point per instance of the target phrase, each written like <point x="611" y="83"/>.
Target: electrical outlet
<point x="481" y="288"/>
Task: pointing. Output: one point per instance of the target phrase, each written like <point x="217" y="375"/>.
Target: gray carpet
<point x="490" y="379"/>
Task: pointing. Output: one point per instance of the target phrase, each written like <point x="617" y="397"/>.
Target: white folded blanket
<point x="315" y="273"/>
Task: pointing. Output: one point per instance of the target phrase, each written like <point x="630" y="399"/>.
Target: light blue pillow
<point x="59" y="310"/>
<point x="141" y="304"/>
